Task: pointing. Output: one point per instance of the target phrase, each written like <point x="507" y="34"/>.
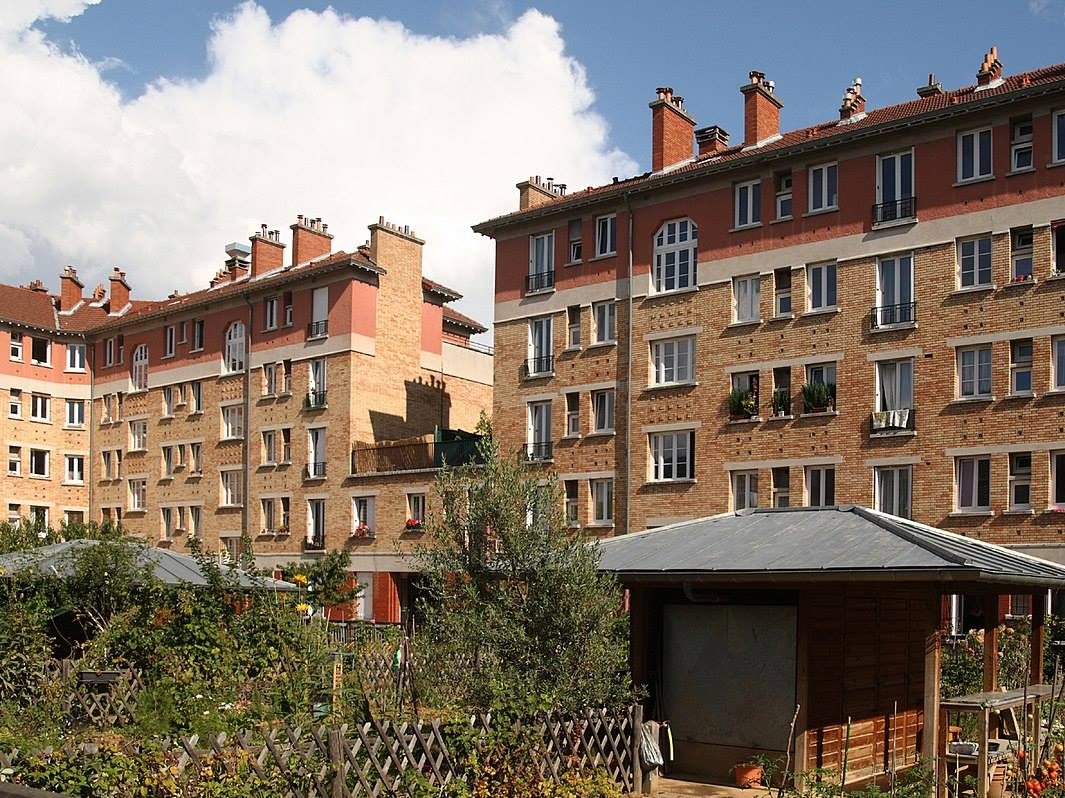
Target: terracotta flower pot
<point x="747" y="775"/>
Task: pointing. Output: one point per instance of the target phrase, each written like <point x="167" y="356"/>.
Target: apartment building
<point x="870" y="310"/>
<point x="240" y="411"/>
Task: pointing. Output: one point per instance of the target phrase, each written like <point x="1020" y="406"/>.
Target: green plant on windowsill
<point x="781" y="402"/>
<point x="818" y="397"/>
<point x="742" y="403"/>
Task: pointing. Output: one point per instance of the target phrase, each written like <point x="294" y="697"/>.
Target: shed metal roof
<point x="817" y="543"/>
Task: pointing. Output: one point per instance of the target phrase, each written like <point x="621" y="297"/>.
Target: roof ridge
<point x="883" y="520"/>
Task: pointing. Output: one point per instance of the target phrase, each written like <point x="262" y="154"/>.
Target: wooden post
<point x="1038" y="636"/>
<point x="981" y="757"/>
<point x="336" y="762"/>
<point x="637" y="740"/>
<point x="933" y="740"/>
<point x="991" y="620"/>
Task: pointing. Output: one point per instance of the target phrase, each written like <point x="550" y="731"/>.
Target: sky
<point x="147" y="134"/>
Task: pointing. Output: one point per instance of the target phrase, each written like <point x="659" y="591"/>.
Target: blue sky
<point x="702" y="49"/>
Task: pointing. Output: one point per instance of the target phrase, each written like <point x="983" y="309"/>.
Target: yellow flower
<point x="300" y="579"/>
<point x="302" y="607"/>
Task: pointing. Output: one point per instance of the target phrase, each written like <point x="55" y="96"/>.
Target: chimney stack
<point x="119" y="291"/>
<point x="761" y="110"/>
<point x="267" y="251"/>
<point x="310" y="239"/>
<point x="537" y="191"/>
<point x="671" y="130"/>
<point x="70" y="288"/>
<point x="853" y="106"/>
<point x="933" y="88"/>
<point x="990" y="70"/>
<point x="711" y="139"/>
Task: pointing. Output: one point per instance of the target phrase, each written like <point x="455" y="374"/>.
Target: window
<point x="893" y="490"/>
<point x="14" y="403"/>
<point x="823" y="194"/>
<point x="821" y="374"/>
<point x="541" y="360"/>
<point x="820" y="486"/>
<point x="105" y="462"/>
<point x="541" y="261"/>
<point x="167" y="514"/>
<point x="40" y="352"/>
<point x="1021" y="144"/>
<point x="14" y="513"/>
<point x="974" y="262"/>
<point x="233" y="421"/>
<point x="75" y="468"/>
<point x="270" y="313"/>
<point x="16" y="346"/>
<point x="1059" y="136"/>
<point x="269" y="447"/>
<point x="363" y="513"/>
<point x="894" y="291"/>
<point x="232" y="488"/>
<point x="316" y="382"/>
<point x="40" y="407"/>
<point x="75" y="357"/>
<point x="781" y="400"/>
<point x="675" y="256"/>
<point x="602" y="501"/>
<point x="168" y="401"/>
<point x="573" y="327"/>
<point x="1058" y="245"/>
<point x="109" y="352"/>
<point x="894" y="187"/>
<point x="821" y="286"/>
<point x="606" y="235"/>
<point x="782" y="291"/>
<point x="1020" y="480"/>
<point x="781" y="486"/>
<point x="416" y="508"/>
<point x="746" y="298"/>
<point x="107" y="408"/>
<point x="168" y="462"/>
<point x="673" y="360"/>
<point x="316" y="452"/>
<point x="183" y="332"/>
<point x="1021" y="254"/>
<point x="744" y="489"/>
<point x="138" y="435"/>
<point x="974" y="155"/>
<point x="672" y="455"/>
<point x="603" y="411"/>
<point x="194" y="520"/>
<point x="169" y="341"/>
<point x="1057" y="479"/>
<point x="974" y="371"/>
<point x="39" y="515"/>
<point x="269" y="507"/>
<point x="894" y="385"/>
<point x="196" y="394"/>
<point x="575" y="241"/>
<point x="39" y="463"/>
<point x="748" y="203"/>
<point x="539" y="431"/>
<point x="286" y="445"/>
<point x="234" y="352"/>
<point x="75" y="412"/>
<point x="974" y="484"/>
<point x="269" y="379"/>
<point x="783" y="194"/>
<point x="286" y="377"/>
<point x="319" y="326"/>
<point x="285" y="503"/>
<point x="572" y="503"/>
<point x="120" y="348"/>
<point x="573" y="415"/>
<point x="605" y="315"/>
<point x="14" y="460"/>
<point x="195" y="459"/>
<point x="138" y="370"/>
<point x="1021" y="366"/>
<point x="197" y="335"/>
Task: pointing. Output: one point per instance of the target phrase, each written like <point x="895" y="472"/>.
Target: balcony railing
<point x="417" y="454"/>
<point x="539" y="451"/>
<point x="538" y="366"/>
<point x="540" y="281"/>
<point x="314" y="543"/>
<point x="314" y="470"/>
<point x="893" y="315"/>
<point x="886" y="422"/>
<point x="894" y="210"/>
<point x="315" y="399"/>
<point x="318" y="329"/>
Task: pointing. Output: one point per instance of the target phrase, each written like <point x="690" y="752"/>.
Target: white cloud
<point x="340" y="117"/>
<point x="17" y="15"/>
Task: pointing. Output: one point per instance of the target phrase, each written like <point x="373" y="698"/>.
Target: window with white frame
<point x="748" y="203"/>
<point x="675" y="255"/>
<point x="74" y="468"/>
<point x="16" y="346"/>
<point x="974" y="371"/>
<point x="974" y="154"/>
<point x="316" y="452"/>
<point x="167" y="514"/>
<point x="782" y="291"/>
<point x="363" y="513"/>
<point x="416" y="508"/>
<point x="823" y="374"/>
<point x="893" y="489"/>
<point x="270" y="313"/>
<point x="198" y="329"/>
<point x="673" y="360"/>
<point x="602" y="501"/>
<point x="821" y="286"/>
<point x="138" y="370"/>
<point x="106" y="464"/>
<point x="1059" y="136"/>
<point x="1021" y="264"/>
<point x="894" y="291"/>
<point x="894" y="385"/>
<point x="1057" y="480"/>
<point x="232" y="488"/>
<point x="14" y="461"/>
<point x="75" y="412"/>
<point x="317" y="382"/>
<point x="744" y="489"/>
<point x="1020" y="481"/>
<point x="573" y="414"/>
<point x="234" y="350"/>
<point x="540" y="358"/>
<point x="824" y="187"/>
<point x="316" y="522"/>
<point x="782" y="182"/>
<point x="40" y="407"/>
<point x="541" y="261"/>
<point x="268" y="510"/>
<point x="168" y="401"/>
<point x="894" y="185"/>
<point x="820" y="486"/>
<point x="575" y="241"/>
<point x="286" y="445"/>
<point x="572" y="506"/>
<point x="1021" y="366"/>
<point x="169" y="340"/>
<point x="781" y="486"/>
<point x="109" y="352"/>
<point x="269" y="379"/>
<point x="195" y="458"/>
<point x="286" y="504"/>
<point x="75" y="357"/>
<point x="40" y="352"/>
<point x="603" y="411"/>
<point x="606" y="235"/>
<point x="973" y="480"/>
<point x="138" y="494"/>
<point x="538" y="440"/>
<point x="974" y="262"/>
<point x="14" y="513"/>
<point x="168" y="462"/>
<point x="747" y="298"/>
<point x="269" y="447"/>
<point x="195" y="517"/>
<point x="14" y="403"/>
<point x="183" y="332"/>
<point x="672" y="455"/>
<point x="605" y="315"/>
<point x="39" y="463"/>
<point x="196" y="397"/>
<point x="138" y="435"/>
<point x="232" y="422"/>
<point x="1021" y="144"/>
<point x="573" y="326"/>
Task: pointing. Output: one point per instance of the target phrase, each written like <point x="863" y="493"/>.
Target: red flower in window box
<point x="362" y="531"/>
<point x="412" y="524"/>
<point x="1021" y="278"/>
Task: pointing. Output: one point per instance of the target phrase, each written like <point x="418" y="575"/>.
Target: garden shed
<point x="832" y="616"/>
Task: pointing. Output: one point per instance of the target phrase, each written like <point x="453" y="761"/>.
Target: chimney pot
<point x="711" y="139"/>
<point x="990" y="68"/>
<point x="761" y="109"/>
<point x="671" y="130"/>
<point x="932" y="88"/>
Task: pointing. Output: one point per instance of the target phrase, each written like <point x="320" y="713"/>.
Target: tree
<point x="517" y="614"/>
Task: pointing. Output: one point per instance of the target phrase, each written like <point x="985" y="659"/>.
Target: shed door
<point x="728" y="679"/>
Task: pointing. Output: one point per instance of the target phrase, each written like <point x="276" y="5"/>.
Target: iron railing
<point x="318" y="329"/>
<point x="892" y="315"/>
<point x="539" y="451"/>
<point x="885" y="422"/>
<point x="540" y="281"/>
<point x="537" y="366"/>
<point x="314" y="543"/>
<point x="416" y="455"/>
<point x="894" y="210"/>
<point x="315" y="399"/>
<point x="314" y="470"/>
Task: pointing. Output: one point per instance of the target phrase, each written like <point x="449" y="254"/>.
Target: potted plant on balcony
<point x="362" y="531"/>
<point x="741" y="404"/>
<point x="817" y="397"/>
<point x="781" y="402"/>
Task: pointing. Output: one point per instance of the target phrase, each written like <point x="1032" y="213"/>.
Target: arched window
<point x="675" y="255"/>
<point x="138" y="371"/>
<point x="234" y="355"/>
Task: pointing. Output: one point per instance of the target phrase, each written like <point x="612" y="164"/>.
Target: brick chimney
<point x="671" y="130"/>
<point x="711" y="139"/>
<point x="267" y="251"/>
<point x="933" y="88"/>
<point x="990" y="70"/>
<point x="70" y="288"/>
<point x="310" y="239"/>
<point x="853" y="105"/>
<point x="119" y="291"/>
<point x="761" y="110"/>
<point x="537" y="191"/>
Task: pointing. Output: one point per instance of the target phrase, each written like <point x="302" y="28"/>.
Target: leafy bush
<point x="817" y="395"/>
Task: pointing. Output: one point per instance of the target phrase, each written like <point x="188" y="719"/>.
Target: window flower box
<point x="362" y="531"/>
<point x="413" y="525"/>
<point x="818" y="397"/>
<point x="742" y="404"/>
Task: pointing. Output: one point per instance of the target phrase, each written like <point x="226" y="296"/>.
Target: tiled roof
<point x="455" y="317"/>
<point x="433" y="287"/>
<point x="876" y="121"/>
<point x="27" y="306"/>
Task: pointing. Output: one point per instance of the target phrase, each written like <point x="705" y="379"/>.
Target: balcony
<point x="314" y="543"/>
<point x="444" y="447"/>
<point x="892" y="422"/>
<point x="315" y="399"/>
<point x="539" y="452"/>
<point x="540" y="281"/>
<point x="314" y="470"/>
<point x="904" y="209"/>
<point x="318" y="329"/>
<point x="884" y="317"/>
<point x="538" y="367"/>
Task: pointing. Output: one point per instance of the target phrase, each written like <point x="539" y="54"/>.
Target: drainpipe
<point x="246" y="445"/>
<point x="90" y="456"/>
<point x="628" y="373"/>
